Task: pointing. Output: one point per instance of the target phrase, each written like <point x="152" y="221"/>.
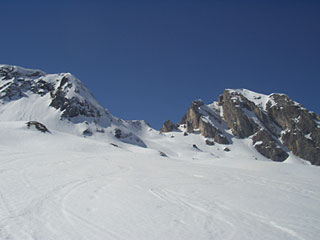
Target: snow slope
<point x="64" y="186"/>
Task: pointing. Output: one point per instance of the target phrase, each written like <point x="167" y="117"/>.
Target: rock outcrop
<point x="275" y="123"/>
<point x="39" y="126"/>
<point x="300" y="128"/>
<point x="128" y="137"/>
<point x="168" y="126"/>
<point x="201" y="118"/>
<point x="268" y="146"/>
<point x="74" y="106"/>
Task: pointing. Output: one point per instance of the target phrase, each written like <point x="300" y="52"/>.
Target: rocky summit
<point x="275" y="124"/>
<point x="61" y="102"/>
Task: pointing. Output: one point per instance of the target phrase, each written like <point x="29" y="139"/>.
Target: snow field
<point x="61" y="186"/>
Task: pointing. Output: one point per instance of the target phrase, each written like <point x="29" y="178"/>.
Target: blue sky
<point x="149" y="59"/>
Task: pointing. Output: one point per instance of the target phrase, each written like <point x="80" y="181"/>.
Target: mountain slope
<point x="275" y="124"/>
<point x="61" y="102"/>
<point x="62" y="186"/>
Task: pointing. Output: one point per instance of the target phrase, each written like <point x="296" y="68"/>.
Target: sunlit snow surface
<point x="62" y="186"/>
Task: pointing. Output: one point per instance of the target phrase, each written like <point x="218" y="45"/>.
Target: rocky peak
<point x="66" y="93"/>
<point x="275" y="123"/>
<point x="8" y="72"/>
<point x="64" y="104"/>
<point x="72" y="98"/>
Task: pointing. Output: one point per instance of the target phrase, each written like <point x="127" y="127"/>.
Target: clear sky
<point x="149" y="59"/>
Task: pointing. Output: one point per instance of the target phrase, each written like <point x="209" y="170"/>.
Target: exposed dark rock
<point x="208" y="130"/>
<point x="268" y="146"/>
<point x="220" y="100"/>
<point x="193" y="116"/>
<point x="128" y="137"/>
<point x="9" y="72"/>
<point x="87" y="133"/>
<point x="185" y="134"/>
<point x="302" y="147"/>
<point x="210" y="143"/>
<point x="194" y="121"/>
<point x="189" y="127"/>
<point x="242" y="126"/>
<point x="39" y="126"/>
<point x="18" y="87"/>
<point x="115" y="145"/>
<point x="100" y="130"/>
<point x="297" y="123"/>
<point x="226" y="149"/>
<point x="117" y="133"/>
<point x="220" y="138"/>
<point x="72" y="107"/>
<point x="162" y="154"/>
<point x="245" y="118"/>
<point x="196" y="147"/>
<point x="168" y="126"/>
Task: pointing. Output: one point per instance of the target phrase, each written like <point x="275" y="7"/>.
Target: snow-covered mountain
<point x="276" y="124"/>
<point x="61" y="102"/>
<point x="89" y="175"/>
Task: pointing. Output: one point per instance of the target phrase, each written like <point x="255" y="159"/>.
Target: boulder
<point x="210" y="143"/>
<point x="39" y="126"/>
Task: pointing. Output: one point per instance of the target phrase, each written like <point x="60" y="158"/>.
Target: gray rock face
<point x="168" y="126"/>
<point x="196" y="119"/>
<point x="193" y="114"/>
<point x="301" y="133"/>
<point x="209" y="131"/>
<point x="242" y="126"/>
<point x="275" y="123"/>
<point x="71" y="107"/>
<point x="282" y="120"/>
<point x="302" y="147"/>
<point x="268" y="146"/>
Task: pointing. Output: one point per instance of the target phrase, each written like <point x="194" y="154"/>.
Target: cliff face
<point x="276" y="124"/>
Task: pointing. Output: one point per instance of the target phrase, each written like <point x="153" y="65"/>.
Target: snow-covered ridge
<point x="61" y="101"/>
<point x="258" y="99"/>
<point x="16" y="70"/>
<point x="63" y="91"/>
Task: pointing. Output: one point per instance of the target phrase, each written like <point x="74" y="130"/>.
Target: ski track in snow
<point x="121" y="194"/>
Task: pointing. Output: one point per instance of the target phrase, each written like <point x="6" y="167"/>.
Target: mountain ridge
<point x="275" y="124"/>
